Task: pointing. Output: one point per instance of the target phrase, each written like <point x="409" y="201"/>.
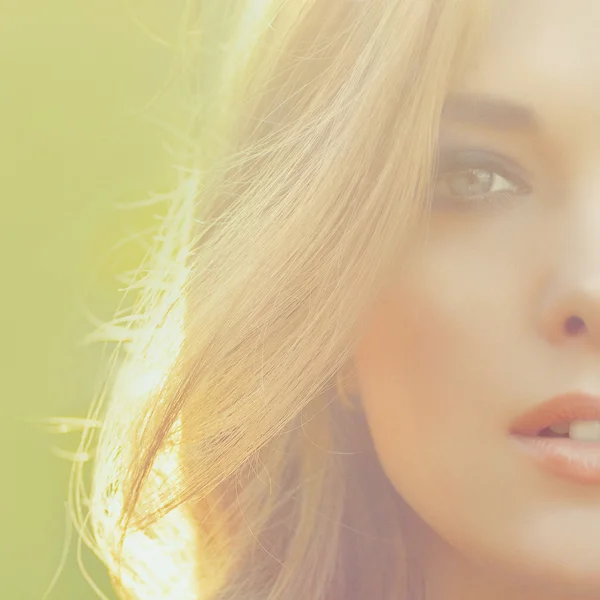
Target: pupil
<point x="470" y="183"/>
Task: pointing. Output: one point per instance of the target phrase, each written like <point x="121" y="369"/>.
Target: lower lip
<point x="571" y="459"/>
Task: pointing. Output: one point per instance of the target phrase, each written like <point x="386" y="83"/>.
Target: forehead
<point x="544" y="54"/>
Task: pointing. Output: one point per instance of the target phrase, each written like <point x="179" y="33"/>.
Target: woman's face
<point x="472" y="333"/>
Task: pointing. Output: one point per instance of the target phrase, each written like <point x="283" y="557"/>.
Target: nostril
<point x="574" y="325"/>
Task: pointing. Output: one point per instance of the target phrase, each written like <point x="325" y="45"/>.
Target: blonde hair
<point x="224" y="469"/>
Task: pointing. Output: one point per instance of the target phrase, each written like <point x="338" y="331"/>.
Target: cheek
<point x="406" y="372"/>
<point x="408" y="341"/>
<point x="432" y="390"/>
<point x="437" y="361"/>
<point x="419" y="405"/>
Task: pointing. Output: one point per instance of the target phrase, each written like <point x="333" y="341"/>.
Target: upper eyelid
<point x="453" y="157"/>
<point x="472" y="157"/>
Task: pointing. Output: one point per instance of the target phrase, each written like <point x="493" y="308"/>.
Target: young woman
<point x="365" y="364"/>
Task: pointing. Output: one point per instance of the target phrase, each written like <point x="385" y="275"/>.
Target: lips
<point x="572" y="459"/>
<point x="560" y="409"/>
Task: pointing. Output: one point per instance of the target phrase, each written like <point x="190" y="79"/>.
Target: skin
<point x="472" y="332"/>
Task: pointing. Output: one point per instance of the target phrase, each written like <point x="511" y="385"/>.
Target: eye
<point x="475" y="182"/>
<point x="468" y="179"/>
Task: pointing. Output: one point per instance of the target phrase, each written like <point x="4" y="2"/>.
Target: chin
<point x="569" y="571"/>
<point x="566" y="568"/>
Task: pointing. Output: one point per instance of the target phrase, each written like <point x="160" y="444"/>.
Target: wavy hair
<point x="225" y="469"/>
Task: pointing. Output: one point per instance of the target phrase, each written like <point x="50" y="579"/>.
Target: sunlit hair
<point x="225" y="468"/>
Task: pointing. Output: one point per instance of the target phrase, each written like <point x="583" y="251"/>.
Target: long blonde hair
<point x="225" y="469"/>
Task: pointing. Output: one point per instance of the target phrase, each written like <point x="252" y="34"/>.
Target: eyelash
<point x="462" y="161"/>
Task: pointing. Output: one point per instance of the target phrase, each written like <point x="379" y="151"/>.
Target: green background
<point x="85" y="88"/>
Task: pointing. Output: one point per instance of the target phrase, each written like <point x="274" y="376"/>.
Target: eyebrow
<point x="490" y="111"/>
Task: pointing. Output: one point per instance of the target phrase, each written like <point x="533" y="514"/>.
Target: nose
<point x="571" y="311"/>
<point x="575" y="314"/>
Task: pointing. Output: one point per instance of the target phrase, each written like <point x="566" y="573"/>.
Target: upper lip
<point x="560" y="409"/>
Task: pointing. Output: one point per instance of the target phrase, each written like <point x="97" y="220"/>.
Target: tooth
<point x="585" y="431"/>
<point x="561" y="428"/>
